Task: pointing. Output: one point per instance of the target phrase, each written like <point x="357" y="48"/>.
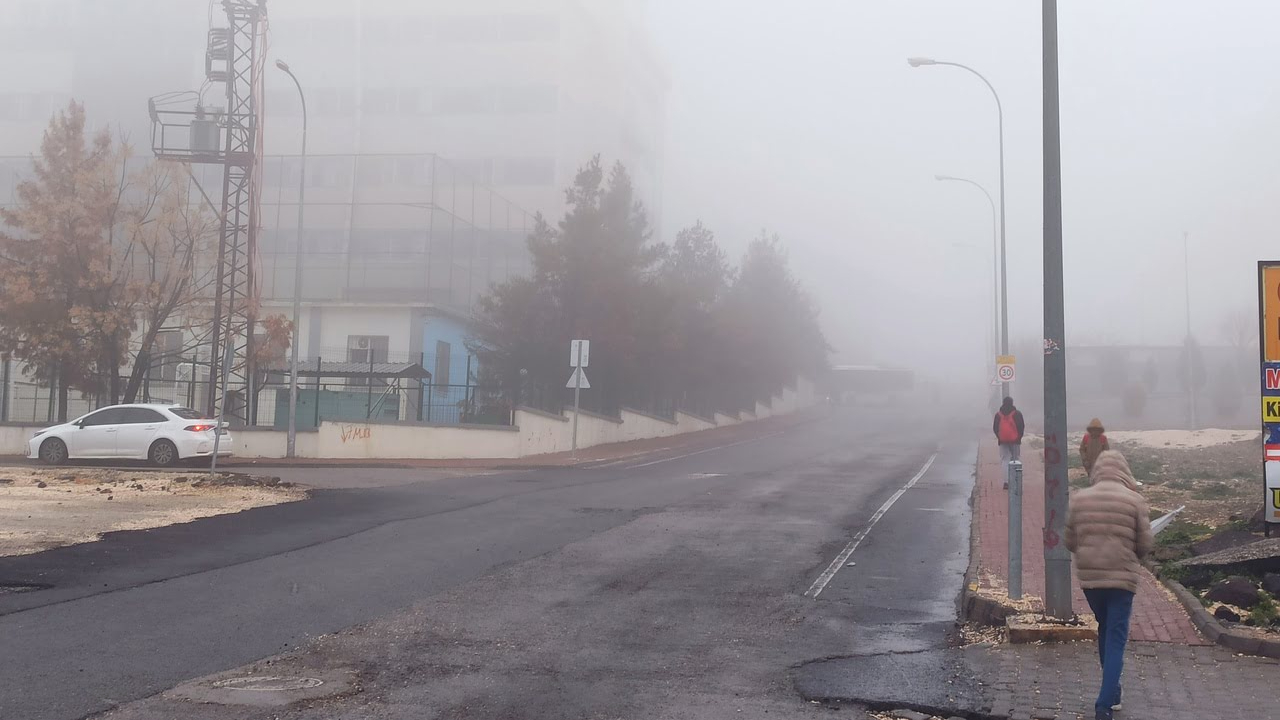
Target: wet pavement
<point x="649" y="589"/>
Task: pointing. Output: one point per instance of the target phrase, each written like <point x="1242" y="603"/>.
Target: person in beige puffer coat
<point x="1109" y="530"/>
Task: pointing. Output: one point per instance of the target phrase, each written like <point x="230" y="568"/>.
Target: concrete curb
<point x="1215" y="631"/>
<point x="973" y="607"/>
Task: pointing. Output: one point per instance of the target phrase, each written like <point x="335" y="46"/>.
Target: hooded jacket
<point x="1093" y="444"/>
<point x="1109" y="527"/>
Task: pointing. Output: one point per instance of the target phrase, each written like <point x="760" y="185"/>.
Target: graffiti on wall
<point x="355" y="432"/>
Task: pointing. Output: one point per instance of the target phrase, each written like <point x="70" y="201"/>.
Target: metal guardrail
<point x="1164" y="521"/>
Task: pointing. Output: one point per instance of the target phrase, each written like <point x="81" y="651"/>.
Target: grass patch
<point x="1266" y="613"/>
<point x="1211" y="491"/>
<point x="1180" y="485"/>
<point x="1146" y="468"/>
<point x="1181" y="532"/>
<point x="1175" y="573"/>
<point x="1080" y="483"/>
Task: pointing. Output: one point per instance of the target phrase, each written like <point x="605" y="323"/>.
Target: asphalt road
<point x="663" y="586"/>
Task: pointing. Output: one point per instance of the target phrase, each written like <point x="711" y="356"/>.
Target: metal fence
<point x="370" y="399"/>
<point x="380" y="401"/>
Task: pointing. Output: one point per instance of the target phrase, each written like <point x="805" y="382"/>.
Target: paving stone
<point x="1153" y="607"/>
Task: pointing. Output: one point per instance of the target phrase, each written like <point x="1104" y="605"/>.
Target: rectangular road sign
<point x="579" y="353"/>
<point x="1006" y="368"/>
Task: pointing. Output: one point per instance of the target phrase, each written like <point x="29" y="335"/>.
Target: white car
<point x="162" y="434"/>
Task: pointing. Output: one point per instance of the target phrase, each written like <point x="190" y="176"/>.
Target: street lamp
<point x="291" y="447"/>
<point x="995" y="256"/>
<point x="916" y="62"/>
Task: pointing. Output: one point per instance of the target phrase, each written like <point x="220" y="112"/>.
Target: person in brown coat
<point x="1094" y="444"/>
<point x="1109" y="530"/>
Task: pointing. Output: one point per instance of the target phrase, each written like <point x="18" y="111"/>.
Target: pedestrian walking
<point x="1093" y="444"/>
<point x="1009" y="428"/>
<point x="1109" y="530"/>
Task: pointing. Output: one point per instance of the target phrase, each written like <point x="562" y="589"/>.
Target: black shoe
<point x="1103" y="715"/>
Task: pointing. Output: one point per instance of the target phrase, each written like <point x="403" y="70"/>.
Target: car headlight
<point x="39" y="433"/>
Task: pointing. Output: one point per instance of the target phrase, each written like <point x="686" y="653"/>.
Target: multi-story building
<point x="520" y="93"/>
<point x="436" y="129"/>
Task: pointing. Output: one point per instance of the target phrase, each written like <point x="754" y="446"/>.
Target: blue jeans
<point x="1112" y="609"/>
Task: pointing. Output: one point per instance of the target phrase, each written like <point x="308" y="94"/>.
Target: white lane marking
<point x="821" y="583"/>
<point x="699" y="452"/>
<point x="932" y="509"/>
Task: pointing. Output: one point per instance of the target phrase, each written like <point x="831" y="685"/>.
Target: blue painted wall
<point x="439" y="328"/>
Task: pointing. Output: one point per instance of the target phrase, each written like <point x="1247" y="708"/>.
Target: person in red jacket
<point x="1009" y="428"/>
<point x="1094" y="444"/>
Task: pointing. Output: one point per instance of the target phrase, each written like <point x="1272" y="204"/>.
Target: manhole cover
<point x="11" y="588"/>
<point x="269" y="683"/>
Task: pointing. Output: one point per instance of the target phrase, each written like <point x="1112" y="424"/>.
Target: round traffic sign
<point x="1006" y="372"/>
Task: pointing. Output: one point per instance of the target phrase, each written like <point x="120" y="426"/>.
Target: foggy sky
<point x="805" y="118"/>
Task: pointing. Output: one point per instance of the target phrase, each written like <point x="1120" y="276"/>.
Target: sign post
<point x="579" y="356"/>
<point x="1269" y="357"/>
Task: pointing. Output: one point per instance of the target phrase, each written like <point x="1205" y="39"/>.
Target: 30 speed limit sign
<point x="1005" y="369"/>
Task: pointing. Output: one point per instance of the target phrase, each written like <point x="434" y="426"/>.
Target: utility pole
<point x="1057" y="560"/>
<point x="291" y="443"/>
<point x="1192" y="420"/>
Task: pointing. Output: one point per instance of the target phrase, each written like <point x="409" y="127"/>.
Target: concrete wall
<point x="363" y="441"/>
<point x="13" y="438"/>
<point x="535" y="433"/>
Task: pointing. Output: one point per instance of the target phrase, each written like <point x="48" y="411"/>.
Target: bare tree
<point x="165" y="253"/>
<point x="1239" y="328"/>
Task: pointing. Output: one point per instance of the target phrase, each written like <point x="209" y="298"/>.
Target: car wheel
<point x="163" y="453"/>
<point x="53" y="451"/>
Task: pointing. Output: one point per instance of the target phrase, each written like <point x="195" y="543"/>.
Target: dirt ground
<point x="1216" y="474"/>
<point x="44" y="508"/>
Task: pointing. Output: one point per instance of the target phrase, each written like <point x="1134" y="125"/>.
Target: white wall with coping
<point x="723" y="419"/>
<point x="593" y="430"/>
<point x="366" y="441"/>
<point x="687" y="423"/>
<point x="535" y="433"/>
<point x="540" y="432"/>
<point x="641" y="426"/>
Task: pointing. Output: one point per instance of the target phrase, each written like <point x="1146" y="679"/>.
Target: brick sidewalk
<point x="1157" y="616"/>
<point x="1170" y="682"/>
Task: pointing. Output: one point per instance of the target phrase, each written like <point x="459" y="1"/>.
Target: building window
<point x="528" y="99"/>
<point x="464" y="101"/>
<point x="443" y="361"/>
<point x="331" y="173"/>
<point x="381" y="101"/>
<point x="375" y="171"/>
<point x="165" y="356"/>
<point x="413" y="171"/>
<point x="478" y="170"/>
<point x="528" y="171"/>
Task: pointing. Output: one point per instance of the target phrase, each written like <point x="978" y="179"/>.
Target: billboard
<point x="1269" y="355"/>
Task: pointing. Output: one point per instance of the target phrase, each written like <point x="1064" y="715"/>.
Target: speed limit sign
<point x="1005" y="368"/>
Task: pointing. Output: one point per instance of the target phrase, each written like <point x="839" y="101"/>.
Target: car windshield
<point x="187" y="413"/>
